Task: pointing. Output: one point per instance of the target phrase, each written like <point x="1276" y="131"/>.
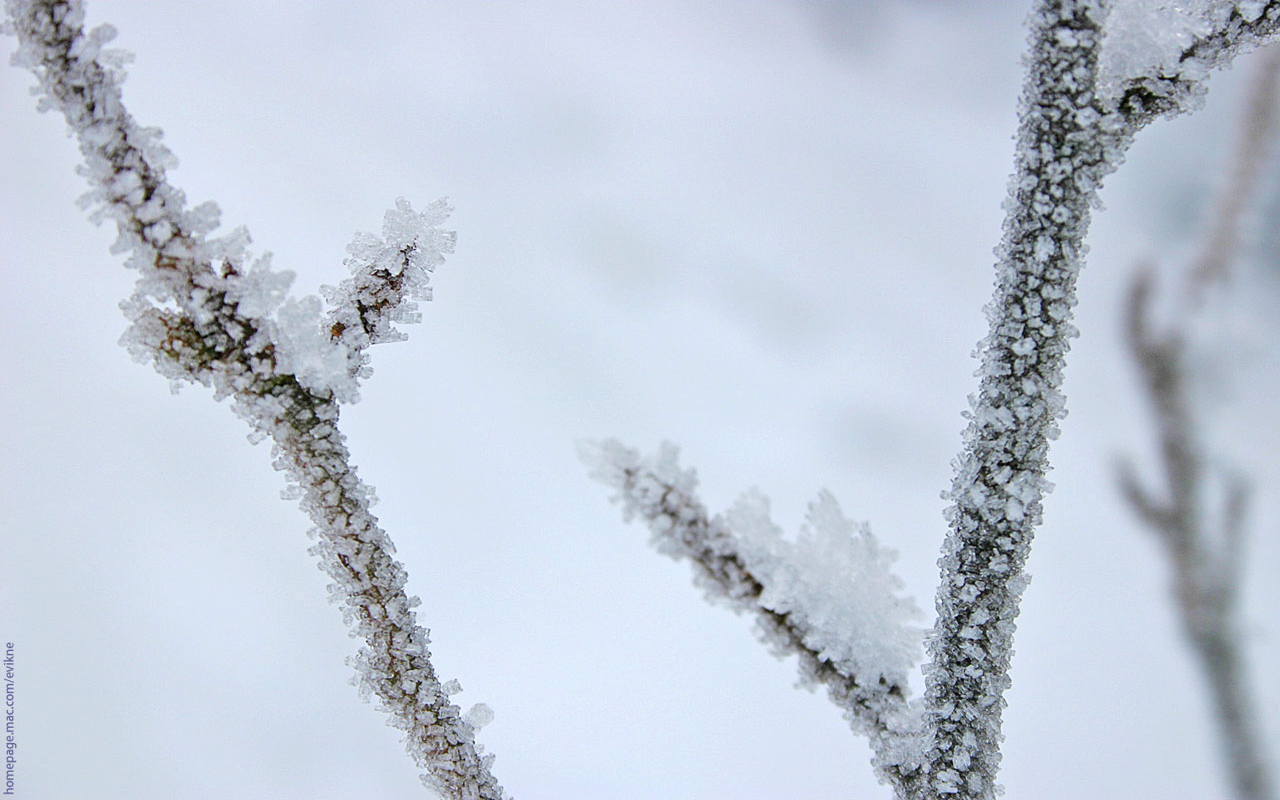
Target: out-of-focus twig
<point x="1204" y="546"/>
<point x="1255" y="142"/>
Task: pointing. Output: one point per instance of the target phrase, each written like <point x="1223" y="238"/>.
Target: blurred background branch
<point x="1197" y="509"/>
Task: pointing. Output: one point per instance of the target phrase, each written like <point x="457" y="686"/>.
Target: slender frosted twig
<point x="1063" y="153"/>
<point x="872" y="692"/>
<point x="200" y="314"/>
<point x="1071" y="137"/>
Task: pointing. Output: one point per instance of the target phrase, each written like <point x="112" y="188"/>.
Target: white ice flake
<point x="305" y="350"/>
<point x="1142" y="36"/>
<point x="261" y="290"/>
<point x="836" y="581"/>
<point x="478" y="716"/>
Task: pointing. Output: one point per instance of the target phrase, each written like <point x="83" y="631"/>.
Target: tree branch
<point x="735" y="567"/>
<point x="1064" y="151"/>
<point x="200" y="316"/>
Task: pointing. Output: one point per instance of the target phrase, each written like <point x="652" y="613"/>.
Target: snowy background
<point x="762" y="230"/>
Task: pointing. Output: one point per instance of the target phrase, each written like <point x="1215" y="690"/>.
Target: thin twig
<point x="1205" y="553"/>
<point x="222" y="335"/>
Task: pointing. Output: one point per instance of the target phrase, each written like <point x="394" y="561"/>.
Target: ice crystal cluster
<point x="834" y="578"/>
<point x="1150" y="41"/>
<point x="204" y="312"/>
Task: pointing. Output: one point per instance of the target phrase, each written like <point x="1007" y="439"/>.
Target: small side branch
<point x="1236" y="28"/>
<point x="389" y="275"/>
<point x="732" y="569"/>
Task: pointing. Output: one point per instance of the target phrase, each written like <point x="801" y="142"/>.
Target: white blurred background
<point x="762" y="230"/>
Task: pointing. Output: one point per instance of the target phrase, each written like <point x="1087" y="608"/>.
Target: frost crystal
<point x="305" y="349"/>
<point x="258" y="293"/>
<point x="388" y="275"/>
<point x="478" y="716"/>
<point x="1145" y="37"/>
<point x="835" y="581"/>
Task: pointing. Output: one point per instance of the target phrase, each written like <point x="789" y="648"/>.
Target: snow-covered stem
<point x="1063" y="153"/>
<point x="1205" y="549"/>
<point x="394" y="664"/>
<point x="1071" y="136"/>
<point x="200" y="315"/>
<point x="731" y="570"/>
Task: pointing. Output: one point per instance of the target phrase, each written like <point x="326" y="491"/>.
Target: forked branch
<point x="201" y="314"/>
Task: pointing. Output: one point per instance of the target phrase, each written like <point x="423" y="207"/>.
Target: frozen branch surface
<point x="200" y="314"/>
<point x="1064" y="150"/>
<point x="1073" y="133"/>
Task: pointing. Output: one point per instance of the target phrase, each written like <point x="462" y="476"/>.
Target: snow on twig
<point x="829" y="597"/>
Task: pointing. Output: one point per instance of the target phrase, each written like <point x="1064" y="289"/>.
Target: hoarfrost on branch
<point x="1092" y="82"/>
<point x="203" y="312"/>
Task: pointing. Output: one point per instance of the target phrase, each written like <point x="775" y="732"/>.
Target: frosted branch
<point x="200" y="313"/>
<point x="829" y="597"/>
<point x="1225" y="30"/>
<point x="1064" y="150"/>
<point x="388" y="275"/>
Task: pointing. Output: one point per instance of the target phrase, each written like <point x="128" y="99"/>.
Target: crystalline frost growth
<point x="389" y="274"/>
<point x="836" y="581"/>
<point x="1149" y="36"/>
<point x="327" y="350"/>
